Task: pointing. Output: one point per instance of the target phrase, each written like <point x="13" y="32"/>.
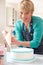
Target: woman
<point x="28" y="28"/>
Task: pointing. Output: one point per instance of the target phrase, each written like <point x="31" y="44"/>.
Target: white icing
<point x="22" y="50"/>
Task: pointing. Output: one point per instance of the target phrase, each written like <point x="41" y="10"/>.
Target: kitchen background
<point x="9" y="13"/>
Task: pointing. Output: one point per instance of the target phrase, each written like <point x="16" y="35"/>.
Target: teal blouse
<point x="38" y="31"/>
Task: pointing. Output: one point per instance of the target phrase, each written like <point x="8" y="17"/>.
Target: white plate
<point x="23" y="61"/>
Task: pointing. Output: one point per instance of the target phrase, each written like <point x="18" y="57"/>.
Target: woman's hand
<point x="15" y="41"/>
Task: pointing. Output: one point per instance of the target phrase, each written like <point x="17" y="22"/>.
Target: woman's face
<point x="25" y="16"/>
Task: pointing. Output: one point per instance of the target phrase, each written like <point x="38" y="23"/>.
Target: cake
<point x="2" y="55"/>
<point x="23" y="54"/>
<point x="2" y="50"/>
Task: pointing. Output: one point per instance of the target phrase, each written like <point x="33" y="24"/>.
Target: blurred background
<point x="9" y="13"/>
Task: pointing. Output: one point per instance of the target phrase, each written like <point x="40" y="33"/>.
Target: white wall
<point x="2" y="16"/>
<point x="38" y="5"/>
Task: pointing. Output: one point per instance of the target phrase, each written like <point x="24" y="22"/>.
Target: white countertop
<point x="38" y="60"/>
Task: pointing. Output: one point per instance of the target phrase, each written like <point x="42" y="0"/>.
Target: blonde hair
<point x="27" y="5"/>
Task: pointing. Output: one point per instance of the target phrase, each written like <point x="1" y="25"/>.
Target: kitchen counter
<point x="38" y="60"/>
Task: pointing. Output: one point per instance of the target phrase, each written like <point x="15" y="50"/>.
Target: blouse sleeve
<point x="37" y="35"/>
<point x="18" y="31"/>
